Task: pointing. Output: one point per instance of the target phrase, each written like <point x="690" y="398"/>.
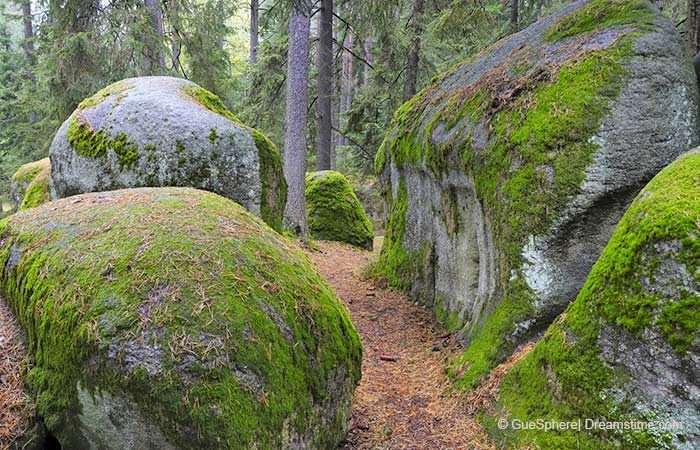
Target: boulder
<point x="628" y="348"/>
<point x="506" y="177"/>
<point x="171" y="318"/>
<point x="30" y="184"/>
<point x="334" y="212"/>
<point x="162" y="131"/>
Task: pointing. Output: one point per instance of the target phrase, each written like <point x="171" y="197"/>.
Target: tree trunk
<point x="154" y="58"/>
<point x="514" y="4"/>
<point x="28" y="43"/>
<point x="254" y="6"/>
<point x="175" y="44"/>
<point x="296" y="116"/>
<point x="414" y="52"/>
<point x="369" y="58"/>
<point x="693" y="24"/>
<point x="346" y="87"/>
<point x="324" y="86"/>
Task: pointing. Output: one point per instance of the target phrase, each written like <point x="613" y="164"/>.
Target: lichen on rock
<point x="505" y="177"/>
<point x="173" y="318"/>
<point x="334" y="212"/>
<point x="163" y="131"/>
<point x="30" y="186"/>
<point x="627" y="349"/>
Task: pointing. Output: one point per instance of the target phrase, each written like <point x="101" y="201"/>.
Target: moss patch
<point x="274" y="186"/>
<point x="95" y="144"/>
<point x="100" y="96"/>
<point x="38" y="190"/>
<point x="334" y="212"/>
<point x="538" y="119"/>
<point x="249" y="334"/>
<point x="564" y="378"/>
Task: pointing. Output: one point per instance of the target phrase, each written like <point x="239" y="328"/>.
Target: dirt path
<point x="402" y="404"/>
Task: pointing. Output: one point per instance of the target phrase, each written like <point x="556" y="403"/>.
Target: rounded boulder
<point x="167" y="318"/>
<point x="334" y="212"/>
<point x="163" y="131"/>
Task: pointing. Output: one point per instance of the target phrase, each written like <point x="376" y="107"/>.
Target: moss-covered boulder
<point x="334" y="212"/>
<point x="628" y="348"/>
<point x="162" y="131"/>
<point x="167" y="318"/>
<point x="30" y="184"/>
<point x="505" y="177"/>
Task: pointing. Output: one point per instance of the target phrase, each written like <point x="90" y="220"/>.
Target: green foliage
<point x="190" y="273"/>
<point x="563" y="378"/>
<point x="334" y="212"/>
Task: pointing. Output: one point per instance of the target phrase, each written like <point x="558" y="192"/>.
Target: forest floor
<point x="403" y="400"/>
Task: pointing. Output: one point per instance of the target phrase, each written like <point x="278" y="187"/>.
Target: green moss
<point x="274" y="186"/>
<point x="601" y="15"/>
<point x="117" y="88"/>
<point x="539" y="127"/>
<point x="38" y="191"/>
<point x="193" y="274"/>
<point x="95" y="144"/>
<point x="27" y="172"/>
<point x="213" y="136"/>
<point x="334" y="212"/>
<point x="563" y="378"/>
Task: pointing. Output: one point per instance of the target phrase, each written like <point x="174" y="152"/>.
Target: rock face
<point x="628" y="348"/>
<point x="334" y="212"/>
<point x="505" y="177"/>
<point x="30" y="184"/>
<point x="162" y="131"/>
<point x="164" y="318"/>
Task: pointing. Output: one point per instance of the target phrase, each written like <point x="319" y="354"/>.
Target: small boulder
<point x="30" y="184"/>
<point x="334" y="212"/>
<point x="163" y="131"/>
<point x="628" y="348"/>
<point x="171" y="318"/>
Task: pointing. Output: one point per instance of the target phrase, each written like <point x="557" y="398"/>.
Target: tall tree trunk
<point x="334" y="101"/>
<point x="369" y="58"/>
<point x="154" y="58"/>
<point x="514" y="4"/>
<point x="28" y="43"/>
<point x="414" y="52"/>
<point x="693" y="24"/>
<point x="254" y="7"/>
<point x="296" y="116"/>
<point x="346" y="87"/>
<point x="324" y="86"/>
<point x="175" y="43"/>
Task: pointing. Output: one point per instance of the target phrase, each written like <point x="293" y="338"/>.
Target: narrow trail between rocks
<point x="403" y="400"/>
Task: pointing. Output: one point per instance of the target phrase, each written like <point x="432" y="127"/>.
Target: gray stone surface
<point x="180" y="143"/>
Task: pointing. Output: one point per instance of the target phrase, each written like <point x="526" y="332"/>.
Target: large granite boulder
<point x="29" y="186"/>
<point x="628" y="348"/>
<point x="162" y="131"/>
<point x="171" y="318"/>
<point x="505" y="177"/>
<point x="334" y="212"/>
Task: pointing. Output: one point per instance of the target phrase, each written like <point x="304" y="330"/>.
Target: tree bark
<point x="414" y="52"/>
<point x="514" y="4"/>
<point x="346" y="87"/>
<point x="154" y="58"/>
<point x="369" y="58"/>
<point x="175" y="44"/>
<point x="254" y="9"/>
<point x="28" y="43"/>
<point x="693" y="26"/>
<point x="296" y="117"/>
<point x="324" y="86"/>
